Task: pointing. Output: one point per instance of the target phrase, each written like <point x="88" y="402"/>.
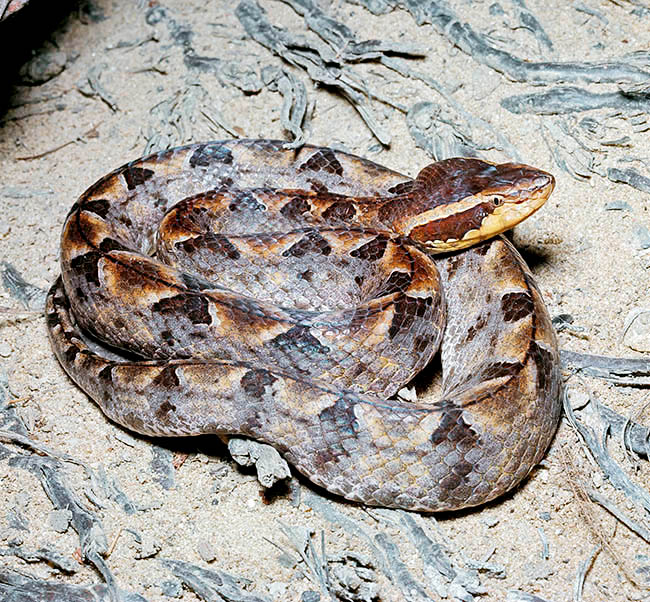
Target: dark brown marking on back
<point x="499" y="370"/>
<point x="372" y="250"/>
<point x="99" y="207"/>
<point x="475" y="328"/>
<point x="87" y="265"/>
<point x="195" y="307"/>
<point x="244" y="200"/>
<point x="295" y="208"/>
<point x="254" y="382"/>
<point x="516" y="306"/>
<point x="135" y="176"/>
<point x="340" y="419"/>
<point x="163" y="411"/>
<point x="450" y="482"/>
<point x="217" y="243"/>
<point x="358" y="317"/>
<point x="340" y="211"/>
<point x="299" y="339"/>
<point x="110" y="244"/>
<point x="323" y="160"/>
<point x="167" y="378"/>
<point x="124" y="220"/>
<point x="106" y="376"/>
<point x="75" y="230"/>
<point x="407" y="310"/>
<point x="397" y="282"/>
<point x="207" y="154"/>
<point x="452" y="427"/>
<point x="193" y="217"/>
<point x="318" y="187"/>
<point x="394" y="208"/>
<point x="312" y="242"/>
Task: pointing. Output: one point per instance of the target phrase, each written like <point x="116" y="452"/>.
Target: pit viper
<point x="241" y="287"/>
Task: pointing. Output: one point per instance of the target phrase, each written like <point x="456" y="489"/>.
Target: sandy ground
<point x="588" y="258"/>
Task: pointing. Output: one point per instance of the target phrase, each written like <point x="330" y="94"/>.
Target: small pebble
<point x="206" y="551"/>
<point x="597" y="479"/>
<point x="148" y="549"/>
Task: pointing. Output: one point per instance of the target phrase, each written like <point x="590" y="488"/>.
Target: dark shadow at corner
<point x="31" y="31"/>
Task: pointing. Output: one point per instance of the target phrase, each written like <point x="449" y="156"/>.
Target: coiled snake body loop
<point x="238" y="287"/>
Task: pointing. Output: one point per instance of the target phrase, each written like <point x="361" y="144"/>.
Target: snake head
<point x="463" y="201"/>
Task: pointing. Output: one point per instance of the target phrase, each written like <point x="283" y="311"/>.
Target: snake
<point x="240" y="287"/>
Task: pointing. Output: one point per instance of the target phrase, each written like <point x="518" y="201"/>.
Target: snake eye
<point x="497" y="201"/>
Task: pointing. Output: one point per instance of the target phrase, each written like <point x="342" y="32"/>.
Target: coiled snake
<point x="304" y="293"/>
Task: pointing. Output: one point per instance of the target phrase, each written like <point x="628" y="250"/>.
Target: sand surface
<point x="188" y="501"/>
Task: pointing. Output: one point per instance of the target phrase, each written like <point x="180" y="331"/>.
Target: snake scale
<point x="239" y="287"/>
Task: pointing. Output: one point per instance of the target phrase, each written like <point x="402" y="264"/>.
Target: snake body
<point x="239" y="287"/>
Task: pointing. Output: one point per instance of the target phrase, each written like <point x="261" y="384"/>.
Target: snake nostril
<point x="544" y="181"/>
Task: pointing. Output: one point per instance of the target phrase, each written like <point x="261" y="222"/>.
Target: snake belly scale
<point x="238" y="287"/>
